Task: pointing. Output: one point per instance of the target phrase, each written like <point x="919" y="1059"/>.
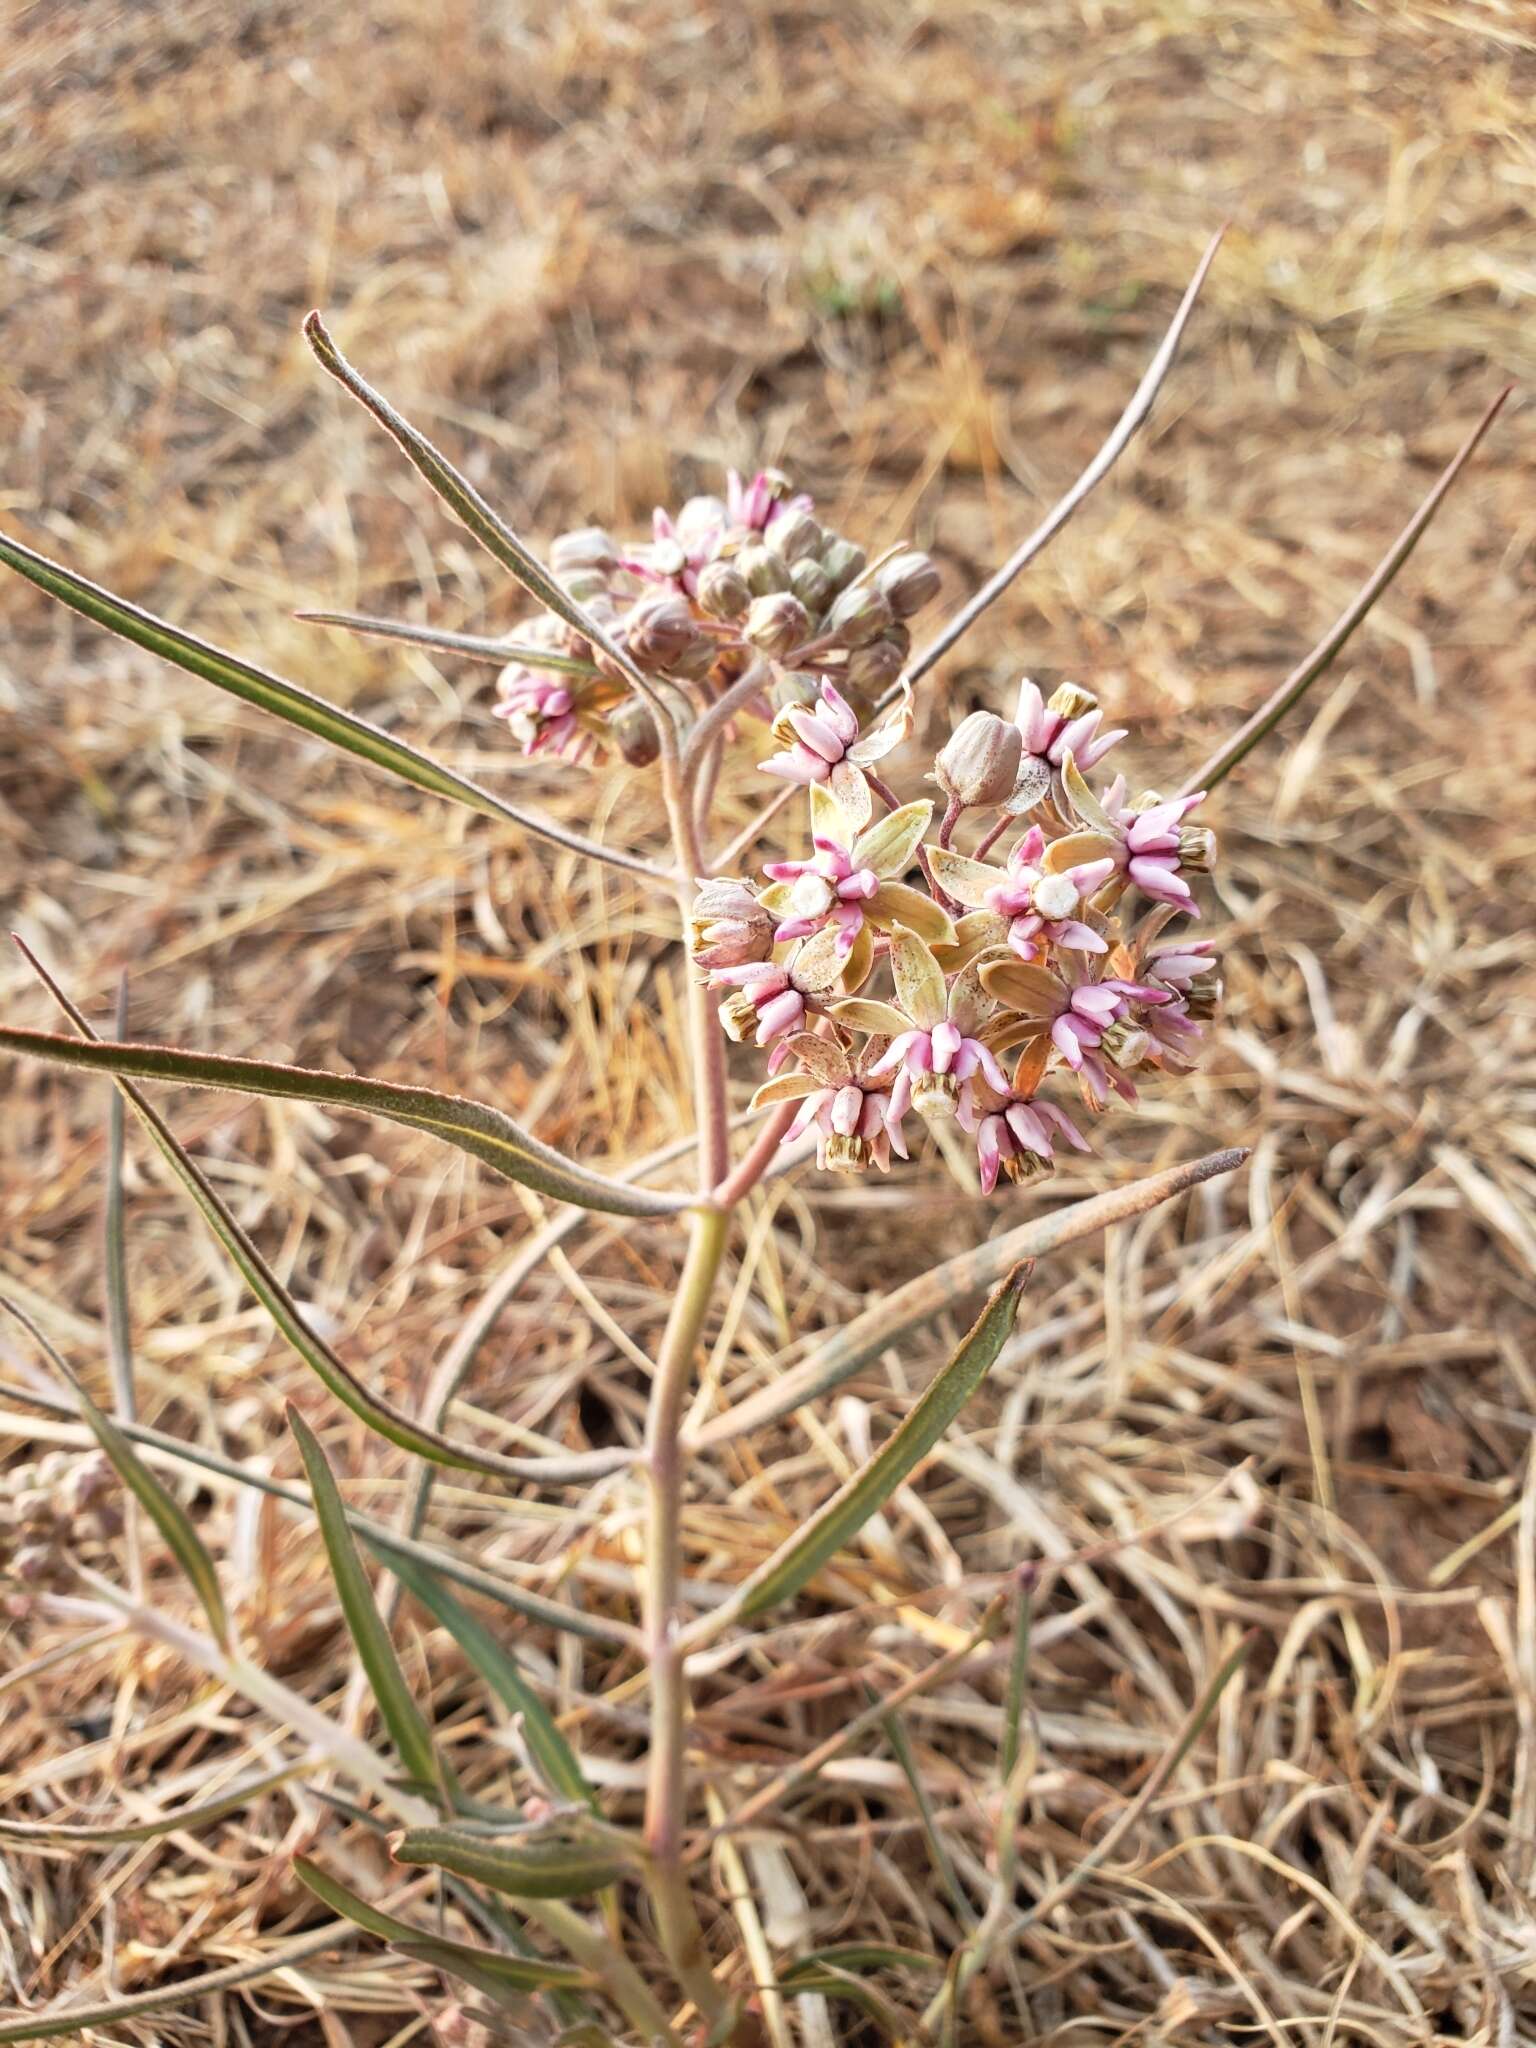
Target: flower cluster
<point x="722" y="585"/>
<point x="1048" y="961"/>
<point x="60" y="1509"/>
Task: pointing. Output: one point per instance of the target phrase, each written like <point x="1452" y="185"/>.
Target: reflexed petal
<point x="894" y="903"/>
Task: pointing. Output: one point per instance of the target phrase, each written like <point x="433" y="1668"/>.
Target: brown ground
<point x="918" y="255"/>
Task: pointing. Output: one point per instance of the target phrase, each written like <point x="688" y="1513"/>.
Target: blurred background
<point x="918" y="256"/>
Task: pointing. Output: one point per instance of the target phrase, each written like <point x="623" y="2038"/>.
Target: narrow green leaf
<point x="382" y="1416"/>
<point x="852" y="1505"/>
<point x="164" y="1510"/>
<point x="287" y="701"/>
<point x="562" y="1868"/>
<point x="466" y="503"/>
<point x="938" y="1851"/>
<point x="826" y="1980"/>
<point x="408" y="1729"/>
<point x="861" y="1955"/>
<point x="473" y="1127"/>
<point x="1018" y="1674"/>
<point x="550" y="1750"/>
<point x="119" y="1322"/>
<point x="522" y="1973"/>
<point x="49" y="1834"/>
<point x="441" y="641"/>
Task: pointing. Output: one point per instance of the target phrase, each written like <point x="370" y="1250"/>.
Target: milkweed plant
<point x="1004" y="948"/>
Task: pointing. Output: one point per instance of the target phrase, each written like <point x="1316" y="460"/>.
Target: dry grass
<point x="917" y="254"/>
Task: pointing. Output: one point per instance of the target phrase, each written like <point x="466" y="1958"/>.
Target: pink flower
<point x="943" y="1054"/>
<point x="858" y="1125"/>
<point x="1039" y="904"/>
<point x="821" y="738"/>
<point x="540" y="710"/>
<point x="1183" y="963"/>
<point x="766" y="1004"/>
<point x="756" y="505"/>
<point x="1051" y="734"/>
<point x="1087" y="1011"/>
<point x="682" y="546"/>
<point x="1016" y="1139"/>
<point x="828" y="889"/>
<point x="1152" y="850"/>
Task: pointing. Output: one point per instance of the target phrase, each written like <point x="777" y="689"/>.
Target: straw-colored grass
<point x="918" y="255"/>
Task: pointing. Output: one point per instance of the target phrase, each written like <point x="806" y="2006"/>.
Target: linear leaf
<point x="522" y="1973"/>
<point x="827" y="1980"/>
<point x="442" y="641"/>
<point x="860" y="1955"/>
<point x="560" y="1869"/>
<point x="407" y="1727"/>
<point x="287" y="701"/>
<point x="473" y="1127"/>
<point x="164" y="1510"/>
<point x="938" y="1852"/>
<point x="552" y="1753"/>
<point x="466" y="503"/>
<point x="852" y="1505"/>
<point x="382" y="1416"/>
<point x="49" y="1834"/>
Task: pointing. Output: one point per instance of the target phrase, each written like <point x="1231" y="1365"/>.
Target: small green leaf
<point x="852" y="1505"/>
<point x="407" y="1727"/>
<point x="473" y="1127"/>
<point x="441" y="641"/>
<point x="861" y="1955"/>
<point x="466" y="503"/>
<point x="938" y="1850"/>
<point x="1018" y="1678"/>
<point x="458" y="1958"/>
<point x="560" y="1868"/>
<point x="287" y="701"/>
<point x="23" y="1834"/>
<point x="548" y="1746"/>
<point x="826" y="1980"/>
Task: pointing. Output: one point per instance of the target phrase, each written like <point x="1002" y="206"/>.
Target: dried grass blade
<point x="407" y="1726"/>
<point x="835" y="1524"/>
<point x="1302" y="677"/>
<point x="287" y="701"/>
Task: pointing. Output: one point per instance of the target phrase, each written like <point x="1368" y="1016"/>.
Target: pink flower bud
<point x="776" y="622"/>
<point x="980" y="764"/>
<point x="910" y="581"/>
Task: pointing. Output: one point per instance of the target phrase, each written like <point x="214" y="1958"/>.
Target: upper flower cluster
<point x="723" y="584"/>
<point x="1045" y="961"/>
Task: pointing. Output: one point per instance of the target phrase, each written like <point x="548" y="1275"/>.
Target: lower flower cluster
<point x="964" y="992"/>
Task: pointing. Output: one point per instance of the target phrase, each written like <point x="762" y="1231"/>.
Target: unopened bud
<point x="910" y="581"/>
<point x="877" y="666"/>
<point x="723" y="591"/>
<point x="727" y="926"/>
<point x="1125" y="1043"/>
<point x="587" y="548"/>
<point x="661" y="631"/>
<point x="764" y="570"/>
<point x="1197" y="849"/>
<point x="633" y="733"/>
<point x="980" y="765"/>
<point x="793" y="686"/>
<point x="794" y="535"/>
<point x="860" y="615"/>
<point x="842" y="560"/>
<point x="776" y="623"/>
<point x="811" y="584"/>
<point x="1071" y="700"/>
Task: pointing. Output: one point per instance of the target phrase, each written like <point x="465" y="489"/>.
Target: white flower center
<point x="1055" y="896"/>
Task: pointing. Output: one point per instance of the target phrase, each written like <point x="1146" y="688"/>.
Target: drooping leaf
<point x="458" y="1958"/>
<point x="560" y="1867"/>
<point x="50" y="1834"/>
<point x="287" y="701"/>
<point x="407" y="1725"/>
<point x="496" y="1665"/>
<point x="473" y="1127"/>
<point x="836" y="1523"/>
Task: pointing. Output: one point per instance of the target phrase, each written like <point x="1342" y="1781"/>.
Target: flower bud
<point x="794" y="535"/>
<point x="877" y="666"/>
<point x="763" y="569"/>
<point x="842" y="560"/>
<point x="723" y="591"/>
<point x="587" y="548"/>
<point x="910" y="581"/>
<point x="661" y="631"/>
<point x="1071" y="700"/>
<point x="860" y="615"/>
<point x="980" y="765"/>
<point x="1197" y="849"/>
<point x="727" y="926"/>
<point x="811" y="584"/>
<point x="776" y="623"/>
<point x="793" y="686"/>
<point x="633" y="733"/>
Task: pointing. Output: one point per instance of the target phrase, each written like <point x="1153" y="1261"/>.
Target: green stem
<point x="666" y="1791"/>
